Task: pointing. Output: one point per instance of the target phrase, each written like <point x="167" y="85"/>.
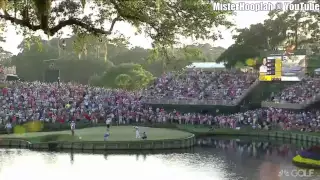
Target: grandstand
<point x="296" y="96"/>
<point x="202" y="84"/>
<point x="24" y="101"/>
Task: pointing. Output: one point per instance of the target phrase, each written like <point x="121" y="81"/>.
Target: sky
<point x="242" y="19"/>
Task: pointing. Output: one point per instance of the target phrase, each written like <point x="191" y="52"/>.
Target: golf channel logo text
<point x="264" y="6"/>
<point x="296" y="173"/>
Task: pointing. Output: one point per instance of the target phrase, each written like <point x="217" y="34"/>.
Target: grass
<point x="117" y="133"/>
<point x="205" y="130"/>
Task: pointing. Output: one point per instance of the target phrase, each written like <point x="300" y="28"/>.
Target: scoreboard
<point x="274" y="69"/>
<point x="280" y="65"/>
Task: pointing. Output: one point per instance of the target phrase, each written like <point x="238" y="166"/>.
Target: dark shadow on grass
<point x="52" y="138"/>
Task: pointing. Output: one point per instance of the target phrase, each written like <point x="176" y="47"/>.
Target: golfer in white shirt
<point x="108" y="122"/>
<point x="263" y="68"/>
<point x="137" y="132"/>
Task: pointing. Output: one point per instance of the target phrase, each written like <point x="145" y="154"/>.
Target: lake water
<point x="214" y="159"/>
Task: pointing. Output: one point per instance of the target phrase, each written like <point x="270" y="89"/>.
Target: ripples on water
<point x="217" y="160"/>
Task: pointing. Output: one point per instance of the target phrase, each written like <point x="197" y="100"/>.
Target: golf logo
<point x="296" y="173"/>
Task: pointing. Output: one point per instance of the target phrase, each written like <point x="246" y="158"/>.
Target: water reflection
<point x="71" y="157"/>
<point x="261" y="159"/>
<point x="213" y="159"/>
<point x="250" y="148"/>
<point x="143" y="156"/>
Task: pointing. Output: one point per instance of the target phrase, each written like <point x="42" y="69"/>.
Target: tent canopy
<point x="206" y="65"/>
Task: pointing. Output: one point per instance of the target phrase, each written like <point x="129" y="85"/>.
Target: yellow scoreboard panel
<point x="273" y="65"/>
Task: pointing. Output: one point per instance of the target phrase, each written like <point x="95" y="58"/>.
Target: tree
<point x="123" y="81"/>
<point x="5" y="56"/>
<point x="299" y="29"/>
<point x="210" y="53"/>
<point x="128" y="75"/>
<point x="175" y="58"/>
<point x="163" y="20"/>
<point x="141" y="77"/>
<point x="302" y="26"/>
<point x="31" y="63"/>
<point x="298" y="25"/>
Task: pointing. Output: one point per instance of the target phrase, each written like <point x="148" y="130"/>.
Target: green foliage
<point x="127" y="76"/>
<point x="236" y="53"/>
<point x="4" y="55"/>
<point x="32" y="63"/>
<point x="123" y="81"/>
<point x="176" y="58"/>
<point x="282" y="29"/>
<point x="313" y="63"/>
<point x="95" y="80"/>
<point x="239" y="64"/>
<point x="162" y="20"/>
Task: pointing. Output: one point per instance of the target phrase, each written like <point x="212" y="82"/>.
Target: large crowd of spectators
<point x="266" y="118"/>
<point x="300" y="92"/>
<point x="64" y="102"/>
<point x="27" y="101"/>
<point x="201" y="87"/>
<point x="24" y="101"/>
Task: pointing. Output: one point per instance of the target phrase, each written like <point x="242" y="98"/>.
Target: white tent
<point x="317" y="71"/>
<point x="206" y="65"/>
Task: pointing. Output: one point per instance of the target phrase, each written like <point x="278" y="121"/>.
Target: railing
<point x="194" y="101"/>
<point x="285" y="105"/>
<point x="281" y="105"/>
<point x="246" y="92"/>
<point x="189" y="101"/>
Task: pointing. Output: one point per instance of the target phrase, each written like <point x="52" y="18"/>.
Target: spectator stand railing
<point x="247" y="91"/>
<point x="189" y="101"/>
<point x="193" y="101"/>
<point x="281" y="105"/>
<point x="285" y="105"/>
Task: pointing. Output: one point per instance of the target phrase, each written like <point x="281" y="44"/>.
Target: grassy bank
<point x="201" y="130"/>
<point x="121" y="138"/>
<point x="117" y="133"/>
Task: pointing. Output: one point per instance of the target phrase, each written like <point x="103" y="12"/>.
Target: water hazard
<point x="212" y="159"/>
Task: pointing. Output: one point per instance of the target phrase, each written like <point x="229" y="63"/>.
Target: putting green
<point x="117" y="133"/>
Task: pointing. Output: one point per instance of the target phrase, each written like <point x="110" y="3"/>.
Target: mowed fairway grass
<point x="117" y="133"/>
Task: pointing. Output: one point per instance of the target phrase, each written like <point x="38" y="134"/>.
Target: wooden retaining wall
<point x="108" y="145"/>
<point x="149" y="144"/>
<point x="15" y="143"/>
<point x="269" y="134"/>
<point x="289" y="136"/>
